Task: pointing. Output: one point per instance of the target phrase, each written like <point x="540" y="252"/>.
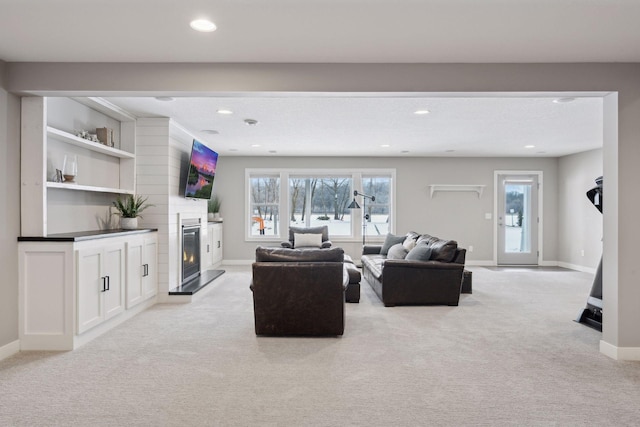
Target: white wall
<point x="9" y="212"/>
<point x="458" y="216"/>
<point x="579" y="222"/>
<point x="163" y="150"/>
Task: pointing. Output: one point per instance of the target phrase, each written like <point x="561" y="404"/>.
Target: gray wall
<point x="456" y="215"/>
<point x="579" y="222"/>
<point x="618" y="81"/>
<point x="10" y="211"/>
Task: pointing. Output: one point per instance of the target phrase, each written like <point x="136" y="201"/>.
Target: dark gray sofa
<point x="402" y="281"/>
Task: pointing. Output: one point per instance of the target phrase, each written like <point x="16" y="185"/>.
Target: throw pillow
<point x="307" y="240"/>
<point x="397" y="251"/>
<point x="421" y="252"/>
<point x="409" y="243"/>
<point x="389" y="241"/>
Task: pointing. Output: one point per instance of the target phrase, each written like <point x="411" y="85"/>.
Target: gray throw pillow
<point x="397" y="251"/>
<point x="389" y="241"/>
<point x="421" y="252"/>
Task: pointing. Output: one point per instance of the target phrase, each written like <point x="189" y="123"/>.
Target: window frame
<point x="284" y="199"/>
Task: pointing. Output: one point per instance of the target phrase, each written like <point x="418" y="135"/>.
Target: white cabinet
<point x="100" y="284"/>
<point x="48" y="134"/>
<point x="142" y="276"/>
<point x="74" y="287"/>
<point x="214" y="243"/>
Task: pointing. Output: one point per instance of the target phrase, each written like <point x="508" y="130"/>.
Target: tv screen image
<point x="202" y="171"/>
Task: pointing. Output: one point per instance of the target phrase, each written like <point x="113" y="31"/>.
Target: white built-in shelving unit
<point x="49" y="127"/>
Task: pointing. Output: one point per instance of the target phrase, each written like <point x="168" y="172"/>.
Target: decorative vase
<point x="70" y="167"/>
<point x="128" y="223"/>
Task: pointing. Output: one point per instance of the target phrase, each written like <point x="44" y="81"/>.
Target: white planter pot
<point x="210" y="216"/>
<point x="128" y="223"/>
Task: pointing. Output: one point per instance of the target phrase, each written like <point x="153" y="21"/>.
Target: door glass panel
<point x="517" y="236"/>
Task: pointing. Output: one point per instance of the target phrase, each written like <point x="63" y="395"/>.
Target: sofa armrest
<point x="326" y="244"/>
<point x="371" y="249"/>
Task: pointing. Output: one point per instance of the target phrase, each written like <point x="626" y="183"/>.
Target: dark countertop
<point x="84" y="235"/>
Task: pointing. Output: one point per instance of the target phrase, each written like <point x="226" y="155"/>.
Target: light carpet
<point x="509" y="355"/>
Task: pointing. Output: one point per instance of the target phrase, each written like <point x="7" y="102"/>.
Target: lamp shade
<point x="353" y="205"/>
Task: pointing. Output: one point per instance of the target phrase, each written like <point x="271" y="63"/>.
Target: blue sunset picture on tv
<point x="202" y="170"/>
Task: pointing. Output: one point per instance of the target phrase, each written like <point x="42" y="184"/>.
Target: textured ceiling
<point x="359" y="126"/>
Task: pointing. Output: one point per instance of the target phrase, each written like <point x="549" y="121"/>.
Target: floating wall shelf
<point x="478" y="189"/>
<point x="90" y="145"/>
<point x="77" y="187"/>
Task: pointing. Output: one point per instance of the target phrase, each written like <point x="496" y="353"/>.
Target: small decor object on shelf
<point x="105" y="136"/>
<point x="213" y="208"/>
<point x="70" y="168"/>
<point x="129" y="210"/>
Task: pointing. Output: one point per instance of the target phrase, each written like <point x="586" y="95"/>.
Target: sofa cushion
<point x="443" y="250"/>
<point x="428" y="239"/>
<point x="323" y="229"/>
<point x="389" y="241"/>
<point x="374" y="264"/>
<point x="304" y="240"/>
<point x="422" y="252"/>
<point x="409" y="243"/>
<point x="397" y="251"/>
<point x="299" y="255"/>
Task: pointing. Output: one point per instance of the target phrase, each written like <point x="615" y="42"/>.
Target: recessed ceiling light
<point x="255" y="145"/>
<point x="529" y="146"/>
<point x="203" y="25"/>
<point x="273" y="151"/>
<point x="385" y="146"/>
<point x="233" y="149"/>
<point x="404" y="151"/>
<point x="165" y="98"/>
<point x="563" y="100"/>
<point x="251" y="122"/>
<point x="210" y="131"/>
<point x="421" y="112"/>
<point x="449" y="151"/>
<point x="541" y="152"/>
<point x="223" y="111"/>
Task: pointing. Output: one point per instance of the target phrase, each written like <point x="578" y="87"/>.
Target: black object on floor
<point x="197" y="283"/>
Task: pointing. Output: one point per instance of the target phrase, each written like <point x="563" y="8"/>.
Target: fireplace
<point x="190" y="252"/>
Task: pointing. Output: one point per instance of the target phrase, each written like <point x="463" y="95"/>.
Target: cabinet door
<point x="135" y="271"/>
<point x="216" y="245"/>
<point x="91" y="285"/>
<point x="114" y="273"/>
<point x="150" y="264"/>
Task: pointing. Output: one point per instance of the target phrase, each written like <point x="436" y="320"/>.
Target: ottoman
<point x="352" y="293"/>
<point x="466" y="282"/>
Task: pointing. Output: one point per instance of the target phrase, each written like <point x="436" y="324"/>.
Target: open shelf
<point x="76" y="187"/>
<point x="89" y="145"/>
<point x="478" y="189"/>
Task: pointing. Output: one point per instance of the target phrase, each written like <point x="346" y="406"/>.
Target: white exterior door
<point x="517" y="219"/>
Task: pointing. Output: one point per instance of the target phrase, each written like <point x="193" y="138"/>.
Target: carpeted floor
<point x="509" y="355"/>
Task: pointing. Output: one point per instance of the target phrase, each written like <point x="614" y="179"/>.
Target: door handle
<point x="108" y="283"/>
<point x="104" y="284"/>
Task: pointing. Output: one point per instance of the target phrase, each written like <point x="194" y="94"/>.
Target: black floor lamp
<point x="365" y="217"/>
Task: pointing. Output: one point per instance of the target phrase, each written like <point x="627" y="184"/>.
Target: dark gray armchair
<point x="322" y="230"/>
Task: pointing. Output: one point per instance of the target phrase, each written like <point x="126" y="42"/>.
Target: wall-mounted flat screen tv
<point x="202" y="171"/>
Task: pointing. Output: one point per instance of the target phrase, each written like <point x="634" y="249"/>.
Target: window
<point x="265" y="205"/>
<point x="316" y="201"/>
<point x="310" y="198"/>
<point x="379" y="211"/>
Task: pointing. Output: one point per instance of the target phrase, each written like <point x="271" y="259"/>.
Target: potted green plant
<point x="129" y="210"/>
<point x="213" y="207"/>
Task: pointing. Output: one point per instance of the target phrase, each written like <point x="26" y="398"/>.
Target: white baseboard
<point x="577" y="267"/>
<point x="619" y="353"/>
<point x="548" y="263"/>
<point x="10" y="349"/>
<point x="480" y="263"/>
<point x="237" y="262"/>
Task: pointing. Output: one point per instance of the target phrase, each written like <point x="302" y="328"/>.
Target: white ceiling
<point x="360" y="125"/>
<point x="321" y="31"/>
<point x="357" y="31"/>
